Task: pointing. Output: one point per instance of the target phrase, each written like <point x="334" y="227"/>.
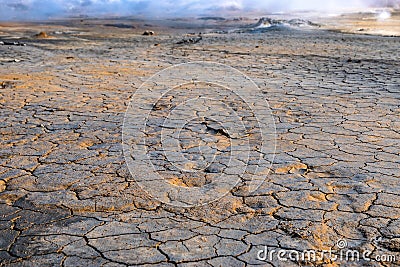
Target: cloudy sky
<point x="44" y="9"/>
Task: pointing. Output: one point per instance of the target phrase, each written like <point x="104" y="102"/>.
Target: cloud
<point x="45" y="9"/>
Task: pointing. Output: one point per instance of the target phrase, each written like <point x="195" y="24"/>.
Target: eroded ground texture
<point x="67" y="197"/>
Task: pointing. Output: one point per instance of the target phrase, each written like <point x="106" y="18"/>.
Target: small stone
<point x="214" y="168"/>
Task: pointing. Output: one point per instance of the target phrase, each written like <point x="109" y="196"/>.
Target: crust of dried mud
<point x="67" y="197"/>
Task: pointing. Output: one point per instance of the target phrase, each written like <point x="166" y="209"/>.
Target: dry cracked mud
<point x="67" y="197"/>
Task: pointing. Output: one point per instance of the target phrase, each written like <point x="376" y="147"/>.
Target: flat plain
<point x="67" y="197"/>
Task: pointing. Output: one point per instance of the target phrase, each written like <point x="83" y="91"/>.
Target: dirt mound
<point x="42" y="35"/>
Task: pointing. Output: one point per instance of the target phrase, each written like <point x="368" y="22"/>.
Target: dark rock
<point x="353" y="60"/>
<point x="190" y="40"/>
<point x="148" y="33"/>
<point x="215" y="168"/>
<point x="6" y="85"/>
<point x="12" y="43"/>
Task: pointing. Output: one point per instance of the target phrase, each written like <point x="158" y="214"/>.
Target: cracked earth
<point x="67" y="197"/>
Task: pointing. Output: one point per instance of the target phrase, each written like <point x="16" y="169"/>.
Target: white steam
<point x="384" y="15"/>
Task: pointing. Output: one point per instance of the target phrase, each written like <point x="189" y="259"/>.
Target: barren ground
<point x="67" y="197"/>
